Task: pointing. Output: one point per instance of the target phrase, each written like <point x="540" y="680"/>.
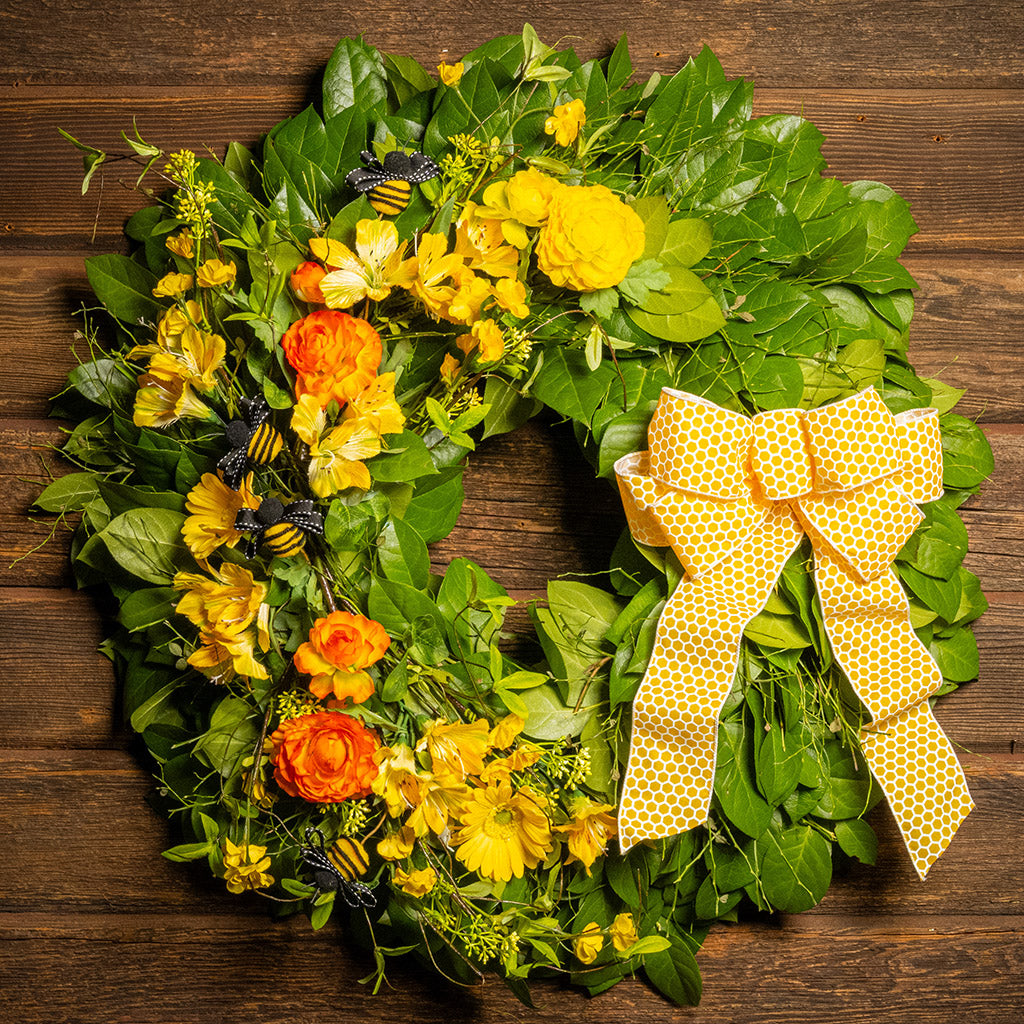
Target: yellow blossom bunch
<point x="245" y="867"/>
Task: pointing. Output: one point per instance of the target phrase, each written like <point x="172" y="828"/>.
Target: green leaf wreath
<point x="307" y="341"/>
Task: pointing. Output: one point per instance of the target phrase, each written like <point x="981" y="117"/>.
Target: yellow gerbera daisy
<point x="503" y="833"/>
<point x="214" y="506"/>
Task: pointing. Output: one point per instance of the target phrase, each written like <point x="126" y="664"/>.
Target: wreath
<point x="299" y="354"/>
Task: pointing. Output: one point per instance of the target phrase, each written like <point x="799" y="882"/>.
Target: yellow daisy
<point x="503" y="833"/>
<point x="214" y="506"/>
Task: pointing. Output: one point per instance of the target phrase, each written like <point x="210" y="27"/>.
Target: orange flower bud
<point x="306" y="280"/>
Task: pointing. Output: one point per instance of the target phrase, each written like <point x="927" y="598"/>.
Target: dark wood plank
<point x="185" y="970"/>
<point x="837" y="43"/>
<point x="961" y="187"/>
<point x="965" y="328"/>
<point x="87" y="809"/>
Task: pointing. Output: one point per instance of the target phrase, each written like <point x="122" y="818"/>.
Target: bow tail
<point x="868" y="626"/>
<point x="674" y="742"/>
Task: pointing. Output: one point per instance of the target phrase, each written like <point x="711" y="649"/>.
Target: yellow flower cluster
<point x="183" y="360"/>
<point x="590" y="941"/>
<point x="472" y="795"/>
<point x="229" y="610"/>
<point x="245" y="867"/>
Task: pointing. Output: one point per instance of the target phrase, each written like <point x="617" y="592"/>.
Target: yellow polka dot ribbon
<point x="733" y="496"/>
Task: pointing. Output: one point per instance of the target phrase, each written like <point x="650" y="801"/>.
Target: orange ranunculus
<point x="306" y="280"/>
<point x="334" y="355"/>
<point x="340" y="646"/>
<point x="325" y="757"/>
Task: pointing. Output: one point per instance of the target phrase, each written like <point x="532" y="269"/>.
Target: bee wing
<point x="258" y="410"/>
<point x="362" y="180"/>
<point x="233" y="467"/>
<point x="246" y="521"/>
<point x="421" y="168"/>
<point x="357" y="894"/>
<point x="303" y="515"/>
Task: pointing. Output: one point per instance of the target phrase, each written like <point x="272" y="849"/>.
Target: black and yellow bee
<point x="253" y="441"/>
<point x="282" y="528"/>
<point x="339" y="868"/>
<point x="388" y="185"/>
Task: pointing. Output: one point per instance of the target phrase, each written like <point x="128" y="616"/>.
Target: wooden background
<point x="94" y="925"/>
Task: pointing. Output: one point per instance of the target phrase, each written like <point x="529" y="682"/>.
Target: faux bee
<point x="339" y="868"/>
<point x="253" y="442"/>
<point x="388" y="184"/>
<point x="282" y="528"/>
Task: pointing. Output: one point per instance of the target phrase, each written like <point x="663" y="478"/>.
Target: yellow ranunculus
<point x="623" y="932"/>
<point x="590" y="238"/>
<point x="214" y="273"/>
<point x="172" y="284"/>
<point x="588" y="943"/>
<point x="451" y="74"/>
<point x="521" y="202"/>
<point x="416" y="883"/>
<point x="566" y="122"/>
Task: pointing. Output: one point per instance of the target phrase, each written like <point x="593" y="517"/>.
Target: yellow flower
<point x="214" y="273"/>
<point x="173" y="325"/>
<point x="416" y="883"/>
<point x="468" y="300"/>
<point x="227" y="651"/>
<point x="451" y="74"/>
<point x="503" y="833"/>
<point x="398" y="780"/>
<point x="200" y="356"/>
<point x="450" y="367"/>
<point x="335" y="459"/>
<point x="370" y="272"/>
<point x="441" y="799"/>
<point x="232" y="598"/>
<point x="181" y="244"/>
<point x="566" y="122"/>
<point x="172" y="284"/>
<point x="214" y="506"/>
<point x="511" y="295"/>
<point x="589" y="831"/>
<point x="486" y="339"/>
<point x="501" y="769"/>
<point x="397" y="845"/>
<point x="245" y="867"/>
<point x="521" y="202"/>
<point x="623" y="932"/>
<point x="590" y="238"/>
<point x="375" y="405"/>
<point x="588" y="943"/>
<point x="478" y="239"/>
<point x="164" y="397"/>
<point x="505" y="731"/>
<point x="455" y="748"/>
<point x="432" y="265"/>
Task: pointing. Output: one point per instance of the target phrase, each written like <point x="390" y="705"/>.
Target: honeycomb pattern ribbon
<point x="733" y="496"/>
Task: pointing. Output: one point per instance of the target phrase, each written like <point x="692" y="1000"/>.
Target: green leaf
<point x="847" y="787"/>
<point x="653" y="211"/>
<point x="125" y="288"/>
<point x="435" y="505"/>
<point x="942" y="596"/>
<point x="683" y="312"/>
<point x="856" y="838"/>
<point x="355" y="77"/>
<point x="147" y="542"/>
<point x="686" y="243"/>
<point x="405" y="459"/>
<point x="234" y="729"/>
<point x="70" y="493"/>
<point x="734" y="781"/>
<point x="796" y="868"/>
<point x="147" y="607"/>
<point x="941" y="541"/>
<point x="674" y="973"/>
<point x="956" y="655"/>
<point x="548" y="718"/>
<point x="966" y="454"/>
<point x="507" y="408"/>
<point x="188" y="851"/>
<point x="777" y="631"/>
<point x="104" y="382"/>
<point x="403" y="555"/>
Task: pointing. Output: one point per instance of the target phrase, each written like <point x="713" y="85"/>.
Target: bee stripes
<point x="391" y="197"/>
<point x="264" y="444"/>
<point x="284" y="539"/>
<point x="349" y="858"/>
<point x="282" y="528"/>
<point x="252" y="440"/>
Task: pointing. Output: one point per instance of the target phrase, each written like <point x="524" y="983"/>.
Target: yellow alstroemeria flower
<point x="566" y="122"/>
<point x="505" y="731"/>
<point x="433" y="264"/>
<point x="215" y="273"/>
<point x="172" y="284"/>
<point x="397" y="845"/>
<point x="456" y="748"/>
<point x="181" y="244"/>
<point x="451" y="74"/>
<point x="226" y="652"/>
<point x="478" y="239"/>
<point x="450" y="367"/>
<point x="471" y="294"/>
<point x="245" y="867"/>
<point x="511" y="296"/>
<point x="589" y="831"/>
<point x="398" y="781"/>
<point x="440" y="801"/>
<point x="164" y="397"/>
<point x="231" y="599"/>
<point x="335" y="459"/>
<point x="375" y="405"/>
<point x="486" y="339"/>
<point x="377" y="265"/>
<point x="201" y="356"/>
<point x="416" y="883"/>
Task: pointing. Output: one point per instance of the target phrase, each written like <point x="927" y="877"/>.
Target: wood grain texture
<point x="96" y="926"/>
<point x="836" y="42"/>
<point x="957" y="185"/>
